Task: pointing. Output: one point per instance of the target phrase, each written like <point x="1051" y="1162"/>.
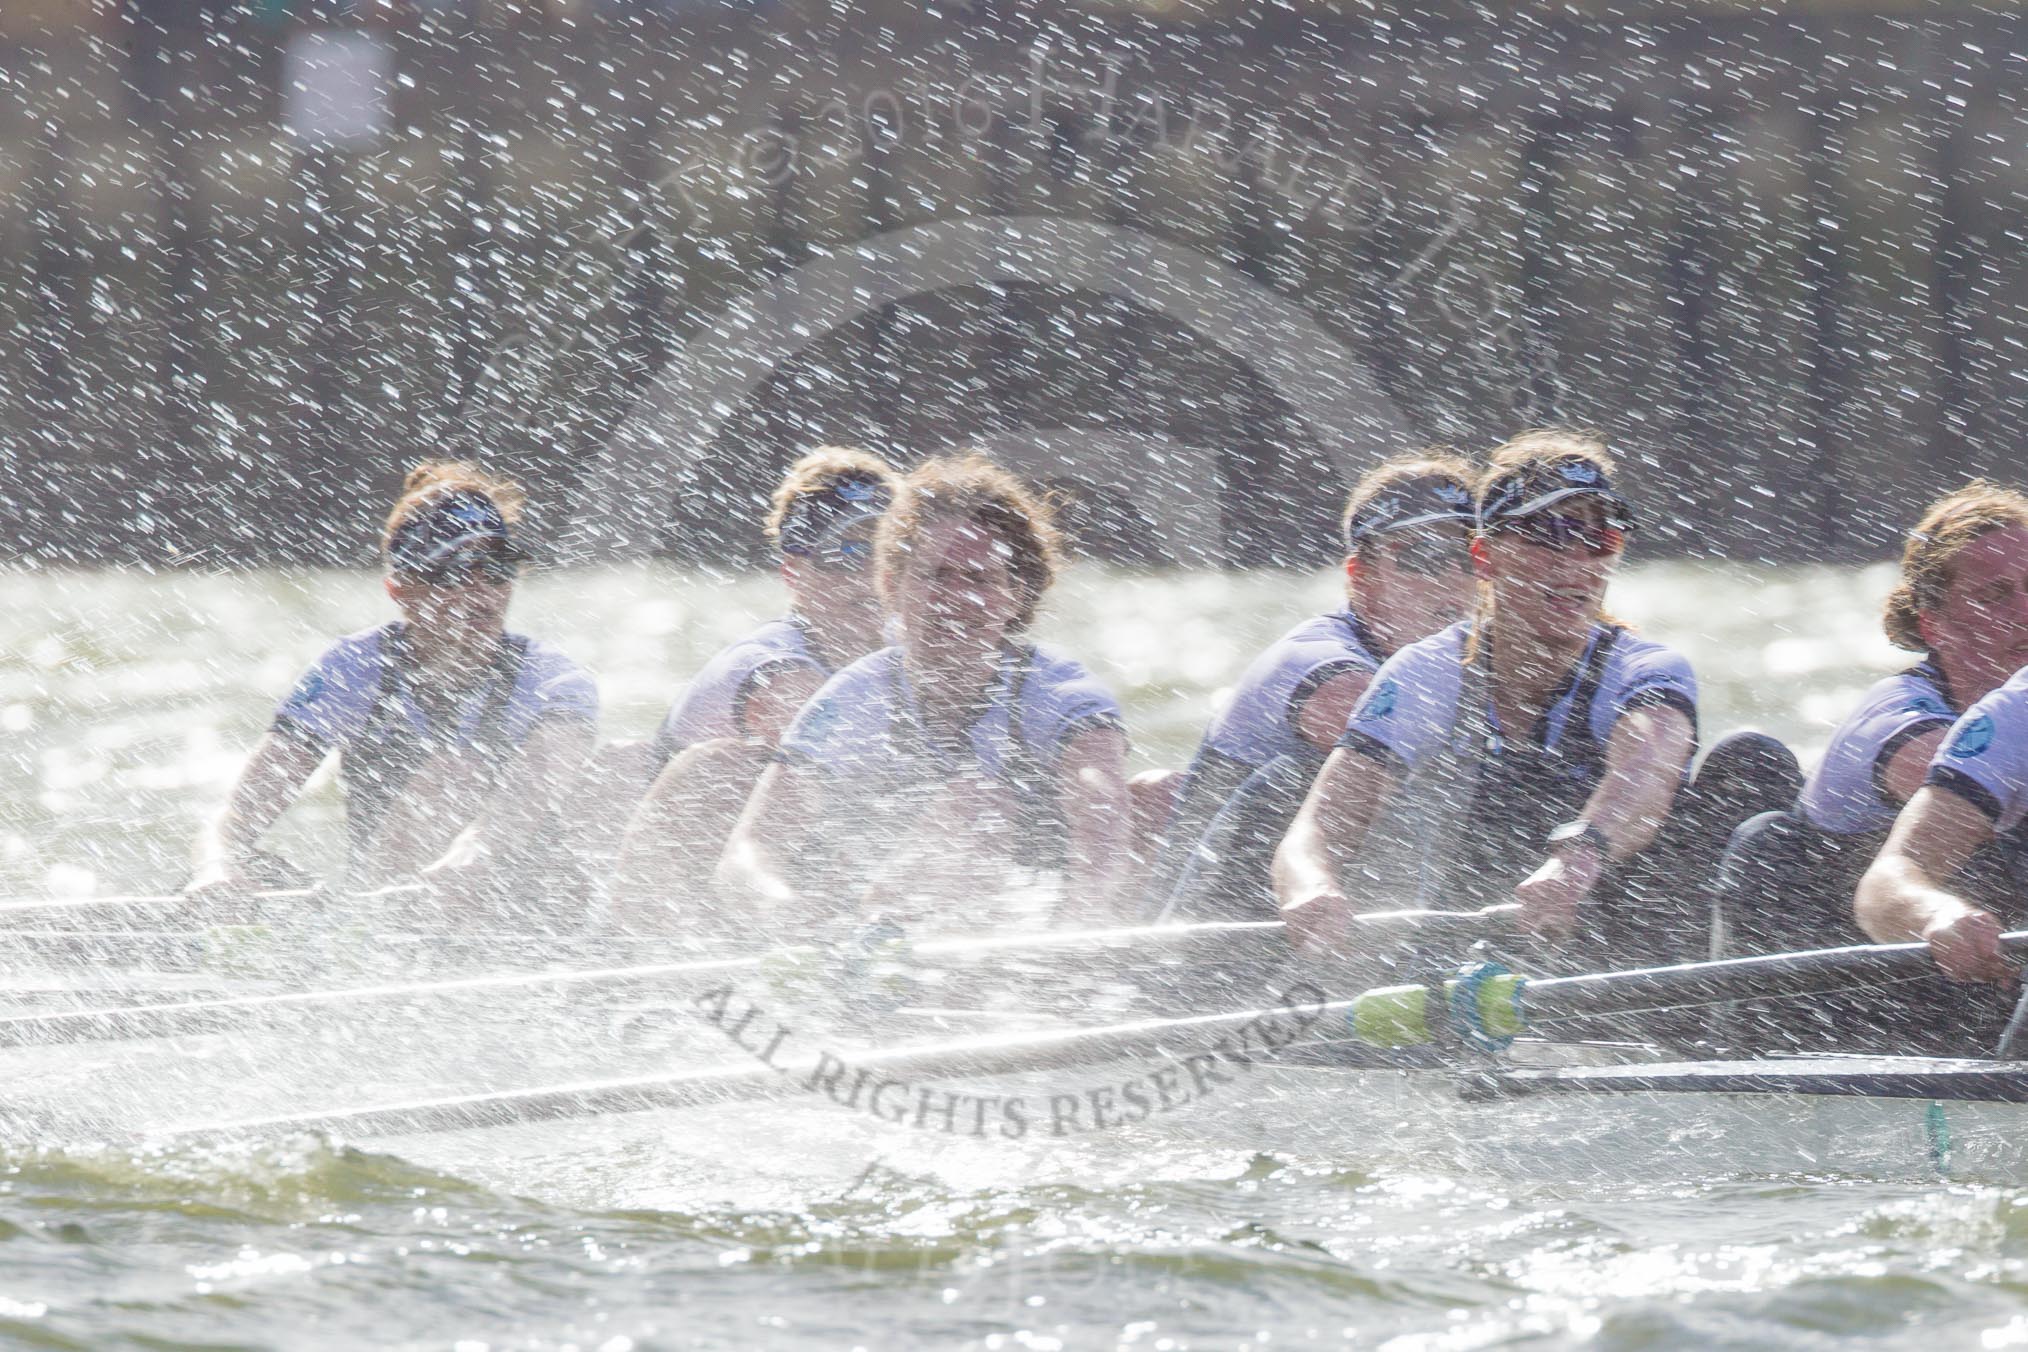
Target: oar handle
<point x="1378" y="931"/>
<point x="1767" y="975"/>
<point x="1489" y="1004"/>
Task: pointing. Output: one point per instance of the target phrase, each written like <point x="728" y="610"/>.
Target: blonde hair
<point x="1929" y="559"/>
<point x="432" y="480"/>
<point x="1536" y="446"/>
<point x="820" y="471"/>
<point x="970" y="487"/>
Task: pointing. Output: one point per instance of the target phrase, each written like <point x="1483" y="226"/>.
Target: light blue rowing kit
<point x="1789" y="876"/>
<point x="1847" y="796"/>
<point x="1474" y="803"/>
<point x="1412" y="708"/>
<point x="1252" y="771"/>
<point x="713" y="705"/>
<point x="864" y="734"/>
<point x="1984" y="759"/>
<point x="361" y="699"/>
<point x="1260" y="722"/>
<point x="1788" y="882"/>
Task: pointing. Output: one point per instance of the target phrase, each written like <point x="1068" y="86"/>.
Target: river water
<point x="125" y="702"/>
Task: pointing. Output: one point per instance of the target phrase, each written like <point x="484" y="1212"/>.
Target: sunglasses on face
<point x="1431" y="557"/>
<point x="845" y="556"/>
<point x="1554" y="530"/>
<point x="462" y="570"/>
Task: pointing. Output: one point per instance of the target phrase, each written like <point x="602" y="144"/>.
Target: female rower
<point x="1408" y="573"/>
<point x="920" y="772"/>
<point x="1959" y="569"/>
<point x="719" y="733"/>
<point x="449" y="729"/>
<point x="1531" y="755"/>
<point x="1951" y="873"/>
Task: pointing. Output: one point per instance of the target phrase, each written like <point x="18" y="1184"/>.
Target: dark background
<point x="1776" y="252"/>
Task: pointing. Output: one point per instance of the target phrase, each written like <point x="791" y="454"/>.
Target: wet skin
<point x="838" y="598"/>
<point x="454" y="624"/>
<point x="1980" y="632"/>
<point x="1402" y="605"/>
<point x="1548" y="593"/>
<point x="957" y="600"/>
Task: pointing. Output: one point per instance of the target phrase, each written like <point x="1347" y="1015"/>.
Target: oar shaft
<point x="1488" y="1004"/>
<point x="1177" y="944"/>
<point x="1234" y="1040"/>
<point x="1772" y="975"/>
<point x="177" y="899"/>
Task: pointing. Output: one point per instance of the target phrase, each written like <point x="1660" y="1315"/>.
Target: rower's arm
<point x="1909" y="765"/>
<point x="275" y="773"/>
<point x="1093" y="787"/>
<point x="1327" y="832"/>
<point x="536" y="786"/>
<point x="772" y="830"/>
<point x="1904" y="897"/>
<point x="1322" y="717"/>
<point x="1645" y="759"/>
<point x="773" y="703"/>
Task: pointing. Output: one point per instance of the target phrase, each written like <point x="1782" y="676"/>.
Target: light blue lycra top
<point x="1411" y="707"/>
<point x="1847" y="796"/>
<point x="1984" y="757"/>
<point x="1260" y="722"/>
<point x="714" y="704"/>
<point x="337" y="699"/>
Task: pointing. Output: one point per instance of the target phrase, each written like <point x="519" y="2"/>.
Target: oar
<point x="47" y="904"/>
<point x="213" y="1015"/>
<point x="1489" y="1004"/>
<point x="1202" y="1049"/>
<point x="1175" y="943"/>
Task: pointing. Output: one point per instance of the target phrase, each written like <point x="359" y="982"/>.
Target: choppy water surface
<point x="124" y="703"/>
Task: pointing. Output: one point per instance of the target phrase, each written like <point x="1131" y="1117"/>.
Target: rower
<point x="450" y="731"/>
<point x="719" y="733"/>
<point x="1408" y="573"/>
<point x="1530" y="755"/>
<point x="1953" y="872"/>
<point x="921" y="775"/>
<point x="1968" y="549"/>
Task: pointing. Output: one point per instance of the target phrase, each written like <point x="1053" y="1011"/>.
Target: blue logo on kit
<point x="817" y="721"/>
<point x="1381" y="702"/>
<point x="307" y="690"/>
<point x="1973" y="738"/>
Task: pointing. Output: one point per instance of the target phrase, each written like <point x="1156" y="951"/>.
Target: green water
<point x="125" y="701"/>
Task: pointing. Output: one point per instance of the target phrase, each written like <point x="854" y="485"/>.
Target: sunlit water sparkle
<point x="126" y="701"/>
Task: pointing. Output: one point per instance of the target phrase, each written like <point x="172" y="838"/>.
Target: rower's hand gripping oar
<point x="1488" y="1006"/>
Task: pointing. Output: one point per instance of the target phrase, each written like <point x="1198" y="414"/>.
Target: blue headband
<point x="1541" y="484"/>
<point x="1431" y="500"/>
<point x="446" y="524"/>
<point x="814" y="520"/>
